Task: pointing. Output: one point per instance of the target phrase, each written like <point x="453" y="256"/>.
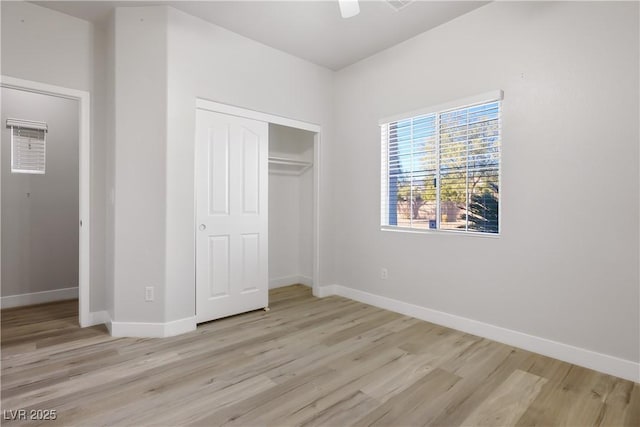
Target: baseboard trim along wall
<point x="38" y="297"/>
<point x="578" y="356"/>
<point x="98" y="318"/>
<point x="280" y="282"/>
<point x="151" y="330"/>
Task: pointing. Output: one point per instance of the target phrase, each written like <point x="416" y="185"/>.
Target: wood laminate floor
<point x="308" y="361"/>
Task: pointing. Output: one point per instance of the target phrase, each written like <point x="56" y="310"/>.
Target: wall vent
<point x="399" y="4"/>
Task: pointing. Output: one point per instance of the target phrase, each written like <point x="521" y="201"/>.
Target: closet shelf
<point x="288" y="166"/>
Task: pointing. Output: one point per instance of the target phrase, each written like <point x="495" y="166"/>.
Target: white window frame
<point x="491" y="96"/>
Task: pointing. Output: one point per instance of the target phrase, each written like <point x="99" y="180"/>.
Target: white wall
<point x="42" y="45"/>
<point x="140" y="101"/>
<point x="40" y="212"/>
<point x="46" y="46"/>
<point x="109" y="32"/>
<point x="284" y="226"/>
<point x="290" y="208"/>
<point x="566" y="265"/>
<point x="305" y="233"/>
<point x="212" y="63"/>
<point x="290" y="143"/>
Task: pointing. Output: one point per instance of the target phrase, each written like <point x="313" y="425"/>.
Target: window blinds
<point x="442" y="170"/>
<point x="28" y="146"/>
<point x="409" y="147"/>
<point x="469" y="164"/>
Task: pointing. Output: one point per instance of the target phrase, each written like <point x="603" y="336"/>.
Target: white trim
<point x="152" y="330"/>
<point x="315" y="280"/>
<point x="325" y="291"/>
<point x="611" y="365"/>
<point x="99" y="318"/>
<point x="38" y="297"/>
<point x="204" y="104"/>
<point x="279" y="282"/>
<point x="494" y="95"/>
<point x="180" y="326"/>
<point x="84" y="178"/>
<point x="439" y="232"/>
<point x="42" y="88"/>
<point x="108" y="324"/>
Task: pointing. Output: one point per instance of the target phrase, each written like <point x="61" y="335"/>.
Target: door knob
<point x="202" y="227"/>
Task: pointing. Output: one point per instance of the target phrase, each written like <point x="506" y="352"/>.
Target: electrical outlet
<point x="384" y="274"/>
<point x="148" y="293"/>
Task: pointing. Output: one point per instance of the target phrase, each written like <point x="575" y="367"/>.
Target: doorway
<point x="45" y="215"/>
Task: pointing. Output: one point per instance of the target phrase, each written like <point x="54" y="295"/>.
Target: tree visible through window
<point x="442" y="170"/>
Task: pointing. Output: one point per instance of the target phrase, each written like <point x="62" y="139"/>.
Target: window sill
<point x="440" y="232"/>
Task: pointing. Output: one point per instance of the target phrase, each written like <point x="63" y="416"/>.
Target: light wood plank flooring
<point x="308" y="361"/>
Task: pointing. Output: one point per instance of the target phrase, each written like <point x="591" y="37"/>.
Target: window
<point x="28" y="146"/>
<point x="441" y="170"/>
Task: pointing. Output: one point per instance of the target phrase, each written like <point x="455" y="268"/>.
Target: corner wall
<point x="140" y="101"/>
<point x="566" y="265"/>
<point x="209" y="62"/>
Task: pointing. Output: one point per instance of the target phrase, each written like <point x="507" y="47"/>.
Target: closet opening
<point x="257" y="207"/>
<point x="291" y="206"/>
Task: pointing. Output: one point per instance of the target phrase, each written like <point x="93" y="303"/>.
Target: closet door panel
<point x="218" y="179"/>
<point x="231" y="215"/>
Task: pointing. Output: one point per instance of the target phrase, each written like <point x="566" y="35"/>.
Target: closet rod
<point x="285" y="161"/>
<point x="298" y="165"/>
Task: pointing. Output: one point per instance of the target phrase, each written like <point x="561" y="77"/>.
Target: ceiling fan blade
<point x="349" y="8"/>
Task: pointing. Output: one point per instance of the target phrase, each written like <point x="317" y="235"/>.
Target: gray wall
<point x="40" y="212"/>
<point x="566" y="265"/>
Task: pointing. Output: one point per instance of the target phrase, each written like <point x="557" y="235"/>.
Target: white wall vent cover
<point x="28" y="146"/>
<point x="399" y="4"/>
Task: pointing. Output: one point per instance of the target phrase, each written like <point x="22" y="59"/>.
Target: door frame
<point x="84" y="180"/>
<point x="216" y="107"/>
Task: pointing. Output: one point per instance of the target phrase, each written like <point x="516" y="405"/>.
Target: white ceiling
<point x="312" y="30"/>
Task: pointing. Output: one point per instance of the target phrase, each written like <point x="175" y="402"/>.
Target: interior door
<point x="231" y="215"/>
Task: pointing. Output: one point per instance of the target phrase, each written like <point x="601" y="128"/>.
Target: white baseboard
<point x="279" y="282"/>
<point x="38" y="297"/>
<point x="152" y="330"/>
<point x="325" y="291"/>
<point x="611" y="365"/>
<point x="98" y="318"/>
<point x="180" y="326"/>
<point x="108" y="324"/>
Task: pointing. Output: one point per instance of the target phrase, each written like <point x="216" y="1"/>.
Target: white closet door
<point x="231" y="215"/>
